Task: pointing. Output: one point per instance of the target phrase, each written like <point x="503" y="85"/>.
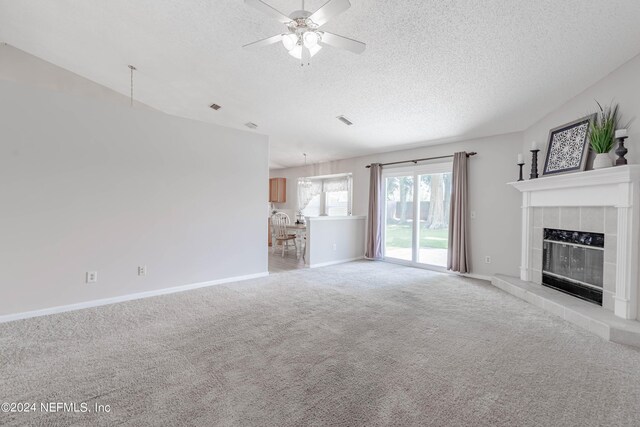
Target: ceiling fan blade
<point x="268" y="10"/>
<point x="264" y="42"/>
<point x="329" y="10"/>
<point x="342" y="42"/>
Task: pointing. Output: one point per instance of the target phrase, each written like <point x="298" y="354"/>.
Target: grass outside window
<point x="399" y="236"/>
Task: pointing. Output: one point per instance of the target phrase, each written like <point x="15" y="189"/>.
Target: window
<point x="325" y="195"/>
<point x="337" y="203"/>
<point x="313" y="208"/>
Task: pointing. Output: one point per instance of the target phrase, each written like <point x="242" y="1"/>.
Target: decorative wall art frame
<point x="568" y="147"/>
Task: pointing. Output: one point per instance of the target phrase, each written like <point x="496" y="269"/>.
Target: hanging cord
<point x="132" y="68"/>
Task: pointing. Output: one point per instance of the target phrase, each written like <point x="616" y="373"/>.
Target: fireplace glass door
<point x="573" y="262"/>
<point x="584" y="265"/>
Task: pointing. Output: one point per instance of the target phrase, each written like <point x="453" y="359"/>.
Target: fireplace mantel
<point x="617" y="187"/>
<point x="602" y="187"/>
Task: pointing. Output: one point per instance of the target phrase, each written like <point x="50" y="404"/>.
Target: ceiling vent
<point x="344" y="120"/>
<point x="215" y="107"/>
<point x="251" y="125"/>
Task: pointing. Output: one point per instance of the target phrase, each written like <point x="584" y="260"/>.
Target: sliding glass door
<point x="399" y="217"/>
<point x="433" y="227"/>
<point x="417" y="214"/>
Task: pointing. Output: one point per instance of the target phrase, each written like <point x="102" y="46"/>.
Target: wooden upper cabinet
<point x="278" y="190"/>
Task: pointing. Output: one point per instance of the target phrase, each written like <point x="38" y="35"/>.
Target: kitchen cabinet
<point x="278" y="190"/>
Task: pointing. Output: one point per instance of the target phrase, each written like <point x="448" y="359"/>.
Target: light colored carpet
<point x="356" y="344"/>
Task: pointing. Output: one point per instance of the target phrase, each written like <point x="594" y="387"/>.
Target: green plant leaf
<point x="602" y="129"/>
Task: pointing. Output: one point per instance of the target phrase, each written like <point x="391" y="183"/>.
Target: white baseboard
<point x="438" y="269"/>
<point x="123" y="298"/>
<point x="340" y="261"/>
<point x="477" y="276"/>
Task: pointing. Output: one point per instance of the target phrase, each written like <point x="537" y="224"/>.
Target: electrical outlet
<point x="92" y="276"/>
<point x="335" y="247"/>
<point x="142" y="270"/>
<point x="487" y="260"/>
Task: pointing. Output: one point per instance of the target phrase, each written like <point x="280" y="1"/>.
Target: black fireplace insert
<point x="573" y="262"/>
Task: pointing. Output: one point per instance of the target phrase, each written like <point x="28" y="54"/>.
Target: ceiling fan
<point x="304" y="38"/>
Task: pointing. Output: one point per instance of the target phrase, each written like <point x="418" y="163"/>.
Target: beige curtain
<point x="458" y="259"/>
<point x="375" y="214"/>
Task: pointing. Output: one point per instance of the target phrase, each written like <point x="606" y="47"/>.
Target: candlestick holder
<point x="621" y="151"/>
<point x="534" y="164"/>
<point x="521" y="165"/>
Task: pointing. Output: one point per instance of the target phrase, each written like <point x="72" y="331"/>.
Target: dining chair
<point x="279" y="222"/>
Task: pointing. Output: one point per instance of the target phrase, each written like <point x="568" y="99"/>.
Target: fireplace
<point x="605" y="201"/>
<point x="573" y="262"/>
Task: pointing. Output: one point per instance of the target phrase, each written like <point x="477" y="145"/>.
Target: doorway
<point x="417" y="205"/>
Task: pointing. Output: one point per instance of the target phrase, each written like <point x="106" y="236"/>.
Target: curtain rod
<point x="473" y="153"/>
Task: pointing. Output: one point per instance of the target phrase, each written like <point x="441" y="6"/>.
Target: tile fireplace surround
<point x="605" y="201"/>
<point x="600" y="201"/>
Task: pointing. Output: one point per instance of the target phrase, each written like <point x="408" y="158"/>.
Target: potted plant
<point x="602" y="130"/>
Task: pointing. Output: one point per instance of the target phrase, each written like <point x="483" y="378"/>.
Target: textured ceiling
<point x="433" y="70"/>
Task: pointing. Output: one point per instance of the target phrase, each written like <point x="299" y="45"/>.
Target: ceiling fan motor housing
<point x="301" y="24"/>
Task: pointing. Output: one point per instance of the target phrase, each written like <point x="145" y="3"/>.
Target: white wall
<point x="90" y="185"/>
<point x="621" y="86"/>
<point x="496" y="230"/>
<point x="335" y="239"/>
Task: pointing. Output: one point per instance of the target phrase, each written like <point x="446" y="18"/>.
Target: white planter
<point x="602" y="160"/>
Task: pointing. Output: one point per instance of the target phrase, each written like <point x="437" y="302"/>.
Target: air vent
<point x="215" y="107"/>
<point x="251" y="125"/>
<point x="344" y="120"/>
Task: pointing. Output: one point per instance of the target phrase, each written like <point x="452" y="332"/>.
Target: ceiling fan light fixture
<point x="311" y="39"/>
<point x="290" y="41"/>
<point x="315" y="49"/>
<point x="303" y="29"/>
<point x="296" y="52"/>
